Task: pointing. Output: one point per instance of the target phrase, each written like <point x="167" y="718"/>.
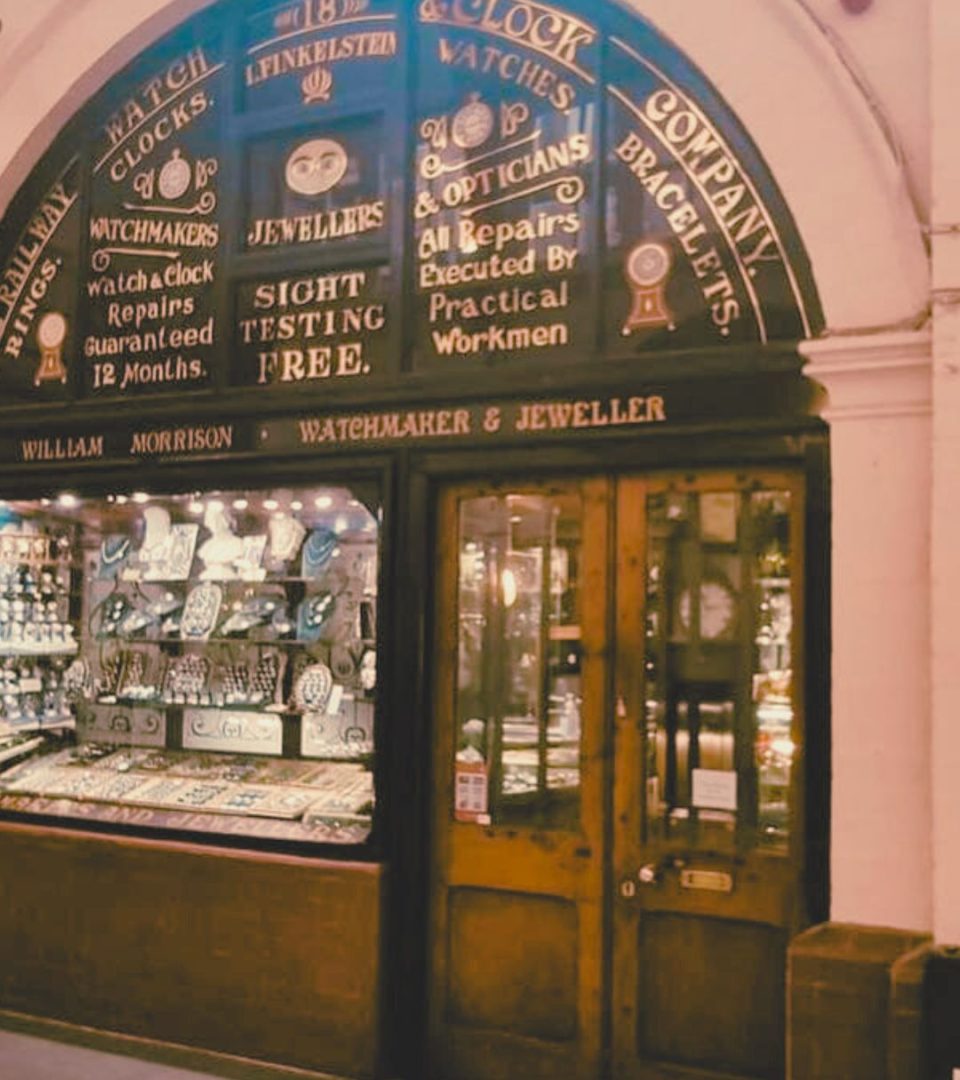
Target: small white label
<point x="333" y="702"/>
<point x="715" y="788"/>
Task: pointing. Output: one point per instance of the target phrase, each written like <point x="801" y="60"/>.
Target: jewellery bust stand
<point x="222" y="551"/>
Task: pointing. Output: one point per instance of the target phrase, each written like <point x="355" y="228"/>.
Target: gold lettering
<point x="552" y="33"/>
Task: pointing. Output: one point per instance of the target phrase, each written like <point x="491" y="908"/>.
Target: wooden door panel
<point x="517" y="913"/>
<point x="708" y="837"/>
<point x="711" y="993"/>
<point x="513" y="963"/>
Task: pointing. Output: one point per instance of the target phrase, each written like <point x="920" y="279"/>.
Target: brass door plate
<point x="712" y="880"/>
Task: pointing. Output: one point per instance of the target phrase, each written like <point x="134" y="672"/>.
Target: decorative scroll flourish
<point x="569" y="190"/>
<point x="102" y="257"/>
<point x="434" y="166"/>
<point x="206" y="204"/>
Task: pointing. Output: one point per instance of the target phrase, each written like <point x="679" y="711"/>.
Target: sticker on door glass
<point x="470" y="792"/>
<point x="715" y="789"/>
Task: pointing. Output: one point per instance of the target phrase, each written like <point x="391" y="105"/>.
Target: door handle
<point x="651" y="873"/>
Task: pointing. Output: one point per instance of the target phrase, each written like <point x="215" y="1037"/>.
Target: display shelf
<point x="286" y="643"/>
<point x="8" y="653"/>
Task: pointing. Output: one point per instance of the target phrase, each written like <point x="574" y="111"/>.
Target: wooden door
<point x="708" y="808"/>
<point x="618" y="828"/>
<point x="517" y="891"/>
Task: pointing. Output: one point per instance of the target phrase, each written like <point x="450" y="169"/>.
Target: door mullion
<point x="629" y="728"/>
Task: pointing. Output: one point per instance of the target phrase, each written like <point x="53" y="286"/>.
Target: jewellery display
<point x="286" y="536"/>
<point x="311" y="691"/>
<point x="212" y="657"/>
<point x="313" y="615"/>
<point x="187" y="679"/>
<point x="347" y="734"/>
<point x="318" y="549"/>
<point x="172" y="559"/>
<point x="114" y="552"/>
<point x="200" y="612"/>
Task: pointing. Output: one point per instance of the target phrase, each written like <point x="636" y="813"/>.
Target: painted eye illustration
<point x="316" y="167"/>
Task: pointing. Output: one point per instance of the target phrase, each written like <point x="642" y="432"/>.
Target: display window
<point x="204" y="661"/>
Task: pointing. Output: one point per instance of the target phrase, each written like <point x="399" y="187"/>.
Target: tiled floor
<point x="26" y="1057"/>
<point x="26" y="1053"/>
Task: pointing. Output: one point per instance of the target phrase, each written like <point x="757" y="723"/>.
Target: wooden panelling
<point x="266" y="956"/>
<point x="513" y="963"/>
<point x="712" y="993"/>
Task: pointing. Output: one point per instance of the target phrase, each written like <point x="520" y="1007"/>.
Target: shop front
<point x="413" y="547"/>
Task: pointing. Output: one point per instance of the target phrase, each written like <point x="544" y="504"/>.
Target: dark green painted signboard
<point x="358" y="194"/>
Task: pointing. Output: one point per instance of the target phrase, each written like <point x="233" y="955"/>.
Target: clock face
<point x="52" y="330"/>
<point x="718" y="609"/>
<point x="472" y="125"/>
<point x="648" y="264"/>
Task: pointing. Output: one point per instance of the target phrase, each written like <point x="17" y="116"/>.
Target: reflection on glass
<point x="518" y="674"/>
<point x="719" y="710"/>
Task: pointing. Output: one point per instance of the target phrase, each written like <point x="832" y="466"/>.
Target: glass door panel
<point x="718" y="675"/>
<point x="519" y="693"/>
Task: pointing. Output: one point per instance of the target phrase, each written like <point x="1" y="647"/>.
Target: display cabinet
<point x="201" y="661"/>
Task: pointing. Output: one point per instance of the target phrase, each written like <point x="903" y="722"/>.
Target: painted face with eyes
<point x="316" y="166"/>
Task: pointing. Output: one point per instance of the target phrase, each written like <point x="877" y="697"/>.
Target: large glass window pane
<point x="719" y="694"/>
<point x="204" y="661"/>
<point x="518" y="693"/>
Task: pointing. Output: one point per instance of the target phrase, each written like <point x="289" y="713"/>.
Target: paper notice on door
<point x="718" y="516"/>
<point x="715" y="789"/>
<point x="470" y="793"/>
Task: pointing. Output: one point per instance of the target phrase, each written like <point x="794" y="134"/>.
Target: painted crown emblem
<point x="317" y="86"/>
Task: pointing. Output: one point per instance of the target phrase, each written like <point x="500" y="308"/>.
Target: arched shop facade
<point x="437" y="541"/>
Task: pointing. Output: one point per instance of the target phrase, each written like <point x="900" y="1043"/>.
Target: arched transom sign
<point x="349" y="191"/>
